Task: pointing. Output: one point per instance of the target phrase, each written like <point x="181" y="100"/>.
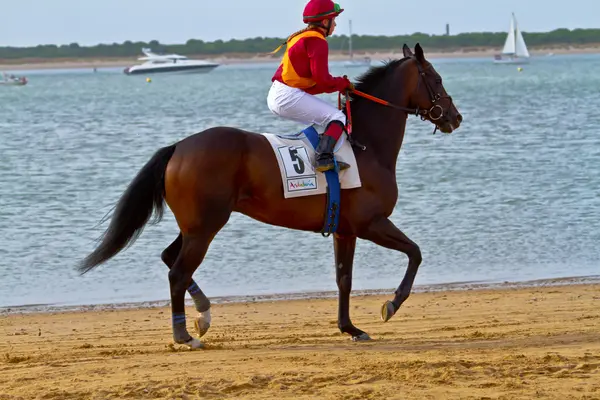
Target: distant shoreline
<point x="240" y="58"/>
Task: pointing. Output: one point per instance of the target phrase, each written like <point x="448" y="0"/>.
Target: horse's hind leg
<point x="194" y="245"/>
<point x="201" y="302"/>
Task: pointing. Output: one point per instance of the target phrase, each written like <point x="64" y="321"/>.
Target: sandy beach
<point x="228" y="59"/>
<point x="505" y="343"/>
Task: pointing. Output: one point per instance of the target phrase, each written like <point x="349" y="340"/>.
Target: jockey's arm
<point x="318" y="53"/>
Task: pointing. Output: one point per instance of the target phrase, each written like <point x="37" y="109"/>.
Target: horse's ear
<point x="419" y="53"/>
<point x="406" y="51"/>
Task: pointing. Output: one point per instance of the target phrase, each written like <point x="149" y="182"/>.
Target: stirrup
<point x="342" y="165"/>
<point x="331" y="163"/>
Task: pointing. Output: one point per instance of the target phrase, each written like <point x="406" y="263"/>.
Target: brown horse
<point x="207" y="176"/>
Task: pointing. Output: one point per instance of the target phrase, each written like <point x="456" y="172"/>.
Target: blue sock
<point x="200" y="300"/>
<point x="178" y="318"/>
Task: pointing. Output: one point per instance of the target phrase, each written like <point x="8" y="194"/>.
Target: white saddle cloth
<point x="295" y="157"/>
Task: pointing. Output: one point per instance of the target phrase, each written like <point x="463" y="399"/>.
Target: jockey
<point x="303" y="73"/>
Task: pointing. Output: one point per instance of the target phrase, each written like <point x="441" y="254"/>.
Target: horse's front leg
<point x="384" y="233"/>
<point x="344" y="257"/>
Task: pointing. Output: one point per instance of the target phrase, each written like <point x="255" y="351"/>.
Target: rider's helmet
<point x="320" y="10"/>
<point x="315" y="12"/>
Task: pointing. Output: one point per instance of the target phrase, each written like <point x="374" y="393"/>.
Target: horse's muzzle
<point x="449" y="124"/>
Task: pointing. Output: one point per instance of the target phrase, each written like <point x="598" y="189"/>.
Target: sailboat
<point x="515" y="50"/>
<point x="365" y="62"/>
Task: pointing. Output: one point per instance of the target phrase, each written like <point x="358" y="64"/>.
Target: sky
<point x="89" y="22"/>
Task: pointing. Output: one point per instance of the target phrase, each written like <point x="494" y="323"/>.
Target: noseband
<point x="434" y="97"/>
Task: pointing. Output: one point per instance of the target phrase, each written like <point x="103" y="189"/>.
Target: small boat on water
<point x="171" y="63"/>
<point x="365" y="62"/>
<point x="11" y="80"/>
<point x="514" y="50"/>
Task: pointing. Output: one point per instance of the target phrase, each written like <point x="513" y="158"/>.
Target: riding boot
<point x="324" y="157"/>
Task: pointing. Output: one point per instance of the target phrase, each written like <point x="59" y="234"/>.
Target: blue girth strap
<point x="332" y="210"/>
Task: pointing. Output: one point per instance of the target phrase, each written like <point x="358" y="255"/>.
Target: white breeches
<point x="297" y="105"/>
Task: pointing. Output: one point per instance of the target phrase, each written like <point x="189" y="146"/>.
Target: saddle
<point x="295" y="155"/>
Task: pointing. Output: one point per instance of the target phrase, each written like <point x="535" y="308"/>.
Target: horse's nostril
<point x="459" y="118"/>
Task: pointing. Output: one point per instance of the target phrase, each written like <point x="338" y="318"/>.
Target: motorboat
<point x="12" y="80"/>
<point x="514" y="50"/>
<point x="169" y="63"/>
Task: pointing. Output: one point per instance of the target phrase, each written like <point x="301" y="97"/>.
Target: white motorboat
<point x="11" y="80"/>
<point x="169" y="63"/>
<point x="515" y="50"/>
<point x="365" y="62"/>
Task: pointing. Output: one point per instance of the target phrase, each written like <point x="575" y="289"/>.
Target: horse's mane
<point x="370" y="79"/>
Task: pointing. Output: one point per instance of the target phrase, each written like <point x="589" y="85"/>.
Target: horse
<point x="208" y="175"/>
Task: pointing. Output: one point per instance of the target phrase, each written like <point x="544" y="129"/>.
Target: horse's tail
<point x="144" y="195"/>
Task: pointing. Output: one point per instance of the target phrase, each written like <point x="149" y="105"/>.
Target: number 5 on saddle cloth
<point x="295" y="155"/>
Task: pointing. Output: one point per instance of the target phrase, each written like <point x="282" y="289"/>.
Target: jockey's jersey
<point x="305" y="64"/>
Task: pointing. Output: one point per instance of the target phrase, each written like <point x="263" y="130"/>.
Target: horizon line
<point x="280" y="38"/>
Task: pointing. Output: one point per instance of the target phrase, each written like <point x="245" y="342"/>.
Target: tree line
<point x="261" y="45"/>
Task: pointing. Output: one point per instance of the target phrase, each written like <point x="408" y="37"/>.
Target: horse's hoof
<point x="387" y="311"/>
<point x="361" y="338"/>
<point x="194" y="343"/>
<point x="201" y="326"/>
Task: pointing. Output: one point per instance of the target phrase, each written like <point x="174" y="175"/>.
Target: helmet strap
<point x="328" y="29"/>
<point x="321" y="25"/>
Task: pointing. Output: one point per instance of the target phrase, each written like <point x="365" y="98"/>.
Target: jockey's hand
<point x="348" y="85"/>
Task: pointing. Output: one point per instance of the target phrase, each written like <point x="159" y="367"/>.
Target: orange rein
<point x="372" y="98"/>
<point x="416" y="111"/>
<point x="348" y="113"/>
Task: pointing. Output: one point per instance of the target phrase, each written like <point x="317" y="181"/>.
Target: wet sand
<point x="504" y="343"/>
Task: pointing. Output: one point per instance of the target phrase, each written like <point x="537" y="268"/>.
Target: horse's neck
<point x="381" y="128"/>
<point x="384" y="138"/>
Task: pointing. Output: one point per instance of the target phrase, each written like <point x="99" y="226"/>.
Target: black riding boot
<point x="324" y="156"/>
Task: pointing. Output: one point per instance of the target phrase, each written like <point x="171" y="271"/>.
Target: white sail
<point x="509" y="44"/>
<point x="520" y="46"/>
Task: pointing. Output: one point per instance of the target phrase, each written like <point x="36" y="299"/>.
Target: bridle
<point x="424" y="114"/>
